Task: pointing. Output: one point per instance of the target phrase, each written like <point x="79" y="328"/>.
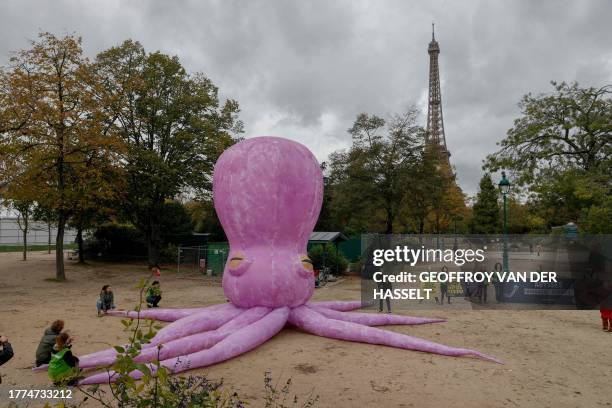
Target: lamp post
<point x="504" y="188"/>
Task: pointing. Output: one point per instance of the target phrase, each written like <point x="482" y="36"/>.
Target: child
<point x="63" y="367"/>
<point x="106" y="301"/>
<point x="153" y="295"/>
<point x="45" y="347"/>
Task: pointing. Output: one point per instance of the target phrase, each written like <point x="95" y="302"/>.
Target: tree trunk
<point x="49" y="238"/>
<point x="389" y="227"/>
<point x="59" y="248"/>
<point x="153" y="250"/>
<point x="421" y="225"/>
<point x="79" y="238"/>
<point x="153" y="241"/>
<point x="25" y="240"/>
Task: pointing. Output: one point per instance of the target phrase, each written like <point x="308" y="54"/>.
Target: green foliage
<point x="369" y="180"/>
<point x="328" y="255"/>
<point x="561" y="150"/>
<point x="173" y="126"/>
<point x="574" y="195"/>
<point x="389" y="181"/>
<point x="570" y="128"/>
<point x="597" y="219"/>
<point x="175" y="222"/>
<point x="55" y="146"/>
<point x="116" y="240"/>
<point x="485" y="217"/>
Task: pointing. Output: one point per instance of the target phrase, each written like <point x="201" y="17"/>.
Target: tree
<point x="371" y="178"/>
<point x="100" y="194"/>
<point x="175" y="221"/>
<point x="204" y="218"/>
<point x="423" y="194"/>
<point x="50" y="122"/>
<point x="174" y="128"/>
<point x="560" y="149"/>
<point x="568" y="129"/>
<point x="25" y="211"/>
<point x="485" y="218"/>
<point x="434" y="200"/>
<point x="326" y="220"/>
<point x="45" y="215"/>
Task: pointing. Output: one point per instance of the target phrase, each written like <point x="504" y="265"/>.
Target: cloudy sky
<point x="305" y="69"/>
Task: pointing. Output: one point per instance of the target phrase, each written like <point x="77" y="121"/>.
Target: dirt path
<point x="553" y="359"/>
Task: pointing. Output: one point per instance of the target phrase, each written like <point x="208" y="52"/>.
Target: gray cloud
<point x="304" y="69"/>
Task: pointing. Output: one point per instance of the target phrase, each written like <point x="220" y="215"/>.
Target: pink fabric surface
<point x="313" y="322"/>
<point x="374" y="319"/>
<point x="267" y="193"/>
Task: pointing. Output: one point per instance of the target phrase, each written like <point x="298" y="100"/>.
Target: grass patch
<point x="33" y="248"/>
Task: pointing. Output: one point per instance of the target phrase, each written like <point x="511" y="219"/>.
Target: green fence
<point x="217" y="256"/>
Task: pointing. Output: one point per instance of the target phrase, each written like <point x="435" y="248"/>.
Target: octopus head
<point x="267" y="194"/>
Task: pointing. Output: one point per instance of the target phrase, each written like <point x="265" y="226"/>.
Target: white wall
<point x="11" y="234"/>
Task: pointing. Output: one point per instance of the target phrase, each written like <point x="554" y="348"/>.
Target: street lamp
<point x="504" y="188"/>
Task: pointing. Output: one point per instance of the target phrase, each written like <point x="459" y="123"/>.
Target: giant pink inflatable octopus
<point x="267" y="194"/>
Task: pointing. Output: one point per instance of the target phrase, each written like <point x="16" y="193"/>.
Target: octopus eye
<point x="307" y="263"/>
<point x="236" y="260"/>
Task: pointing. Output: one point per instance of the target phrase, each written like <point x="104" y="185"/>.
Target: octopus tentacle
<point x="164" y="315"/>
<point x="199" y="320"/>
<point x="339" y="305"/>
<point x="184" y="345"/>
<point x="238" y="342"/>
<point x="312" y="321"/>
<point x="195" y="323"/>
<point x="374" y="319"/>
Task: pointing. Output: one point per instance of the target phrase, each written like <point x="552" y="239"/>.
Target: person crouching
<point x="64" y="366"/>
<point x="153" y="295"/>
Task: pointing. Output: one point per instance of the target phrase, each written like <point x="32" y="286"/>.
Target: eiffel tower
<point x="435" y="120"/>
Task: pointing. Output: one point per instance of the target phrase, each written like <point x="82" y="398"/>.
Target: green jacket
<point x="45" y="347"/>
<point x="154" y="290"/>
<point x="62" y="366"/>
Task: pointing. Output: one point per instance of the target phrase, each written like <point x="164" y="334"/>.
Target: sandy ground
<point x="553" y="358"/>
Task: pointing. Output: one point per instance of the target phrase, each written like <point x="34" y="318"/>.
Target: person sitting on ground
<point x="153" y="295"/>
<point x="106" y="301"/>
<point x="6" y="351"/>
<point x="45" y="347"/>
<point x="64" y="366"/>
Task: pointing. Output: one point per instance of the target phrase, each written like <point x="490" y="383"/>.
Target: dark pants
<point x="444" y="292"/>
<point x="153" y="300"/>
<point x="384" y="286"/>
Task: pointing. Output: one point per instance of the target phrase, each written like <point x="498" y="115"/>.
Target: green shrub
<point x="116" y="240"/>
<point x="328" y="256"/>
